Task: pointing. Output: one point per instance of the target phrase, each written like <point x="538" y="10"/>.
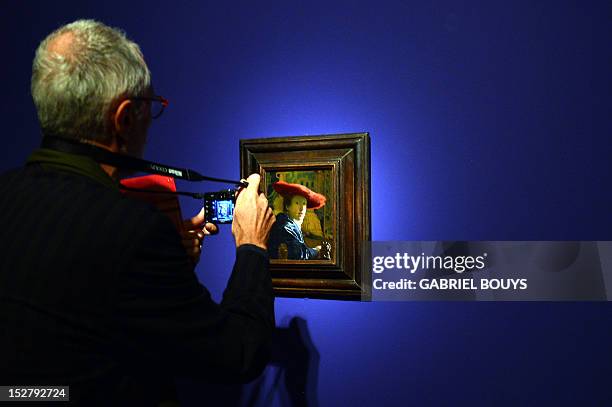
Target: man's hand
<point x="253" y="218"/>
<point x="194" y="230"/>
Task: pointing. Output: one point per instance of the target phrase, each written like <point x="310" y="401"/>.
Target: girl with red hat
<point x="287" y="231"/>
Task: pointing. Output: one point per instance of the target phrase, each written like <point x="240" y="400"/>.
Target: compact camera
<point x="219" y="206"/>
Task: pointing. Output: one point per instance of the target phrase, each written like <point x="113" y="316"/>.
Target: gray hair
<point x="75" y="92"/>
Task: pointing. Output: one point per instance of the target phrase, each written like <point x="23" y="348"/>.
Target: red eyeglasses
<point x="158" y="104"/>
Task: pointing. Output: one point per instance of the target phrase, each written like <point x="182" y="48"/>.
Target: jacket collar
<point x="77" y="164"/>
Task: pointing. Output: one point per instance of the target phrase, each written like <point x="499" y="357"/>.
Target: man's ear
<point x="123" y="119"/>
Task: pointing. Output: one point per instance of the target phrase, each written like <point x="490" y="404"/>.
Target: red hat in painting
<point x="313" y="199"/>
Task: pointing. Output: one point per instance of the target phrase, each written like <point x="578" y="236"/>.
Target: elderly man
<point x="97" y="290"/>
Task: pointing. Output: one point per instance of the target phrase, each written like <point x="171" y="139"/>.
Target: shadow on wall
<point x="289" y="380"/>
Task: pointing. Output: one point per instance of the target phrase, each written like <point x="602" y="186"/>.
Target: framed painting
<point x="319" y="190"/>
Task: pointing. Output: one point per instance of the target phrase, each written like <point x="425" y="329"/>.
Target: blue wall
<point x="489" y="120"/>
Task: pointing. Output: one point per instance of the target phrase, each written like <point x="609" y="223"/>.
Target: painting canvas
<point x="301" y="232"/>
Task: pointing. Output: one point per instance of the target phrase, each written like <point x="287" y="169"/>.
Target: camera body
<point x="219" y="206"/>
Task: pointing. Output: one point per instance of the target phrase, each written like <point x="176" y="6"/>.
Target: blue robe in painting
<point x="285" y="230"/>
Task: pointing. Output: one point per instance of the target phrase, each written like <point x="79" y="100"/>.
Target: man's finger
<point x="196" y="221"/>
<point x="253" y="187"/>
<point x="210" y="229"/>
<point x="193" y="233"/>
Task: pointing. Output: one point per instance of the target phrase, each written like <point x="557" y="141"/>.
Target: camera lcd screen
<point x="222" y="211"/>
<point x="219" y="206"/>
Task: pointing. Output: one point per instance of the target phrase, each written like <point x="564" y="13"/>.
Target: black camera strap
<point x="195" y="195"/>
<point x="104" y="156"/>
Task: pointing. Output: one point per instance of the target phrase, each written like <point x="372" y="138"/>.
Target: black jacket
<point x="96" y="287"/>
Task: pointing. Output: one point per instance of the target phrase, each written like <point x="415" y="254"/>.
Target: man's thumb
<point x="196" y="221"/>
